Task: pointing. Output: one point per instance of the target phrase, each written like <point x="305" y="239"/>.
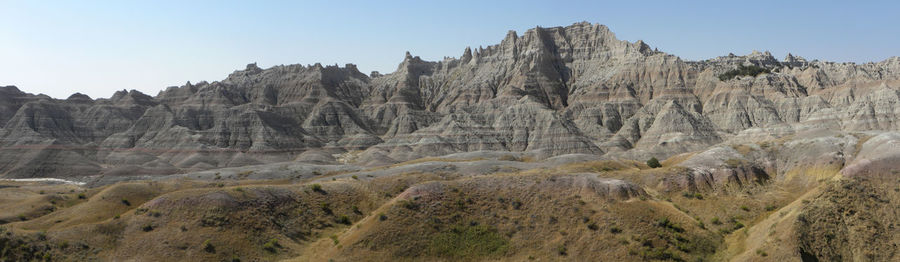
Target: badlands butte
<point x="538" y="148"/>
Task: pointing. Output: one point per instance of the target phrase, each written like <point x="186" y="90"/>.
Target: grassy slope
<point x="542" y="214"/>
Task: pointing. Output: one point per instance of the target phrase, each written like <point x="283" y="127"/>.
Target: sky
<point x="98" y="47"/>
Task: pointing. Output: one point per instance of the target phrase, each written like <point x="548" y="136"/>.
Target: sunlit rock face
<point x="560" y="90"/>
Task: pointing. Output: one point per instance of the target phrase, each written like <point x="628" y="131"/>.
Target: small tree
<point x="654" y="163"/>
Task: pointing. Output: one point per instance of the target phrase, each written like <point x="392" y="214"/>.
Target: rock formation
<point x="552" y="91"/>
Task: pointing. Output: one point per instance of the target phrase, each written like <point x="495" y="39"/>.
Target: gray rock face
<point x="552" y="91"/>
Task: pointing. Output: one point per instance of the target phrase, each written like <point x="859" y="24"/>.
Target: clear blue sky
<point x="97" y="47"/>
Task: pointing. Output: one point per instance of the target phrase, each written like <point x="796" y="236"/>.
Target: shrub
<point x="743" y="71"/>
<point x="653" y="163"/>
<point x="382" y="217"/>
<point x="327" y="208"/>
<point x="334" y="239"/>
<point x="344" y="219"/>
<point x="125" y="202"/>
<point x="516" y="204"/>
<point x="665" y="223"/>
<point x="745" y="208"/>
<point x="355" y="177"/>
<point x="409" y="204"/>
<point x="316" y="188"/>
<point x="562" y="250"/>
<point x="147" y="228"/>
<point x="770" y="207"/>
<point x="716" y="221"/>
<point x="208" y="246"/>
<point x="593" y="226"/>
<point x="615" y="230"/>
<point x="271" y="246"/>
<point x="81" y="196"/>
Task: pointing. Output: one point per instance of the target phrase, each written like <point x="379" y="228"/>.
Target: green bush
<point x="653" y="163"/>
<point x="615" y="230"/>
<point x="316" y="188"/>
<point x="208" y="246"/>
<point x="271" y="246"/>
<point x="743" y="71"/>
<point x="344" y="219"/>
<point x="409" y="204"/>
<point x="562" y="250"/>
<point x="126" y="202"/>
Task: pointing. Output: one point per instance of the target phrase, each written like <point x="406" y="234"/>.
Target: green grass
<point x="468" y="242"/>
<point x="743" y="71"/>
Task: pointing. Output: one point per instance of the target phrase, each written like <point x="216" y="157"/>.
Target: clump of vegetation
<point x="344" y="219"/>
<point x="208" y="246"/>
<point x="653" y="163"/>
<point x="409" y="204"/>
<point x="334" y="239"/>
<point x="593" y="226"/>
<point x="468" y="242"/>
<point x="665" y="223"/>
<point x="761" y="253"/>
<point x="716" y="221"/>
<point x="81" y="196"/>
<point x="690" y="195"/>
<point x="743" y="71"/>
<point x="745" y="208"/>
<point x="271" y="246"/>
<point x="516" y="204"/>
<point x="126" y="202"/>
<point x="562" y="250"/>
<point x="382" y="217"/>
<point x="317" y="188"/>
<point x="355" y="177"/>
<point x="615" y="230"/>
<point x="770" y="207"/>
<point x="327" y="208"/>
<point x="147" y="227"/>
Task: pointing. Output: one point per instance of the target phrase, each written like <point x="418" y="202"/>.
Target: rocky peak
<point x="252" y="67"/>
<point x="79" y="97"/>
<point x="9" y="90"/>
